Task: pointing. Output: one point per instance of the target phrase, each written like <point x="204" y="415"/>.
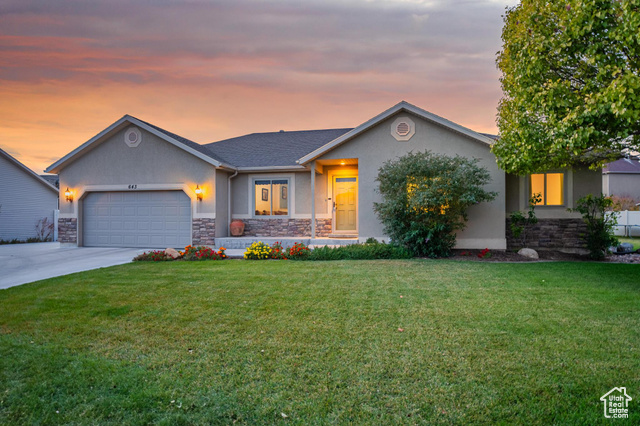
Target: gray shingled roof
<point x="52" y="179"/>
<point x="196" y="146"/>
<point x="272" y="149"/>
<point x="624" y="165"/>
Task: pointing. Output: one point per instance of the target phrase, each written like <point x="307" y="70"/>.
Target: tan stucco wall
<point x="153" y="162"/>
<point x="578" y="183"/>
<point x="300" y="206"/>
<point x="486" y="226"/>
<point x="222" y="211"/>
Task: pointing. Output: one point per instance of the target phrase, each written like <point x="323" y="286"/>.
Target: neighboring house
<point x="622" y="178"/>
<point x="52" y="179"/>
<point x="135" y="184"/>
<point x="25" y="198"/>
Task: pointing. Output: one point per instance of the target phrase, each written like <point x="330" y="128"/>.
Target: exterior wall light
<point x="342" y="163"/>
<point x="68" y="194"/>
<point x="198" y="193"/>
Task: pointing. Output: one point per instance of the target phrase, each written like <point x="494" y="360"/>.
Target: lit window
<point x="271" y="197"/>
<point x="550" y="186"/>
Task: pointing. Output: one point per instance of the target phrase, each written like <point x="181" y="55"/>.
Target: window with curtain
<point x="550" y="186"/>
<point x="271" y="197"/>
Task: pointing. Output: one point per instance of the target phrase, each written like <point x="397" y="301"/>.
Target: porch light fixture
<point x="198" y="193"/>
<point x="342" y="163"/>
<point x="68" y="195"/>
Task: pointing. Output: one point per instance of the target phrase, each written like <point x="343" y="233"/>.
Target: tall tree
<point x="571" y="84"/>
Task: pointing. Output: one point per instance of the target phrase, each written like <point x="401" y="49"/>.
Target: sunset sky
<point x="210" y="70"/>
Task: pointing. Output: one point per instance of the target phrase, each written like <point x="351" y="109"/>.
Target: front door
<point x="345" y="212"/>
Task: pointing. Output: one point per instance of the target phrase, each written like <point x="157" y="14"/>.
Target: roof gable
<point x="27" y="170"/>
<point x="402" y="106"/>
<point x="178" y="141"/>
<point x="623" y="165"/>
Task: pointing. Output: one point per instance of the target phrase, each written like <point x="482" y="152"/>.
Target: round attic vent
<point x="132" y="137"/>
<point x="403" y="128"/>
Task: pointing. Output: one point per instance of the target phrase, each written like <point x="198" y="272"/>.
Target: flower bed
<point x="189" y="253"/>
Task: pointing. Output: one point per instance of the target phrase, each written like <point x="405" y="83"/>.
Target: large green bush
<point x="600" y="225"/>
<point x="371" y="250"/>
<point x="425" y="198"/>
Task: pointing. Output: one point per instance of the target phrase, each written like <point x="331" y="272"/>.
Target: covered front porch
<point x="339" y="180"/>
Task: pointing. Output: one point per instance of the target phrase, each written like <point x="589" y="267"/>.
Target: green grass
<point x="632" y="240"/>
<point x="242" y="342"/>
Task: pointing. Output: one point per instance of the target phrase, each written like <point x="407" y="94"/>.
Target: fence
<point x="628" y="224"/>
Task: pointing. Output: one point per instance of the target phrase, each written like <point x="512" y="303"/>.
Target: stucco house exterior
<point x="25" y="198"/>
<point x="135" y="184"/>
<point x="622" y="178"/>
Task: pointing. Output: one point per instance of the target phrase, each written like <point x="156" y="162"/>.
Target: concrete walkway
<point x="25" y="263"/>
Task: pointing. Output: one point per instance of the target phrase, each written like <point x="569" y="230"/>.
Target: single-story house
<point x="25" y="199"/>
<point x="622" y="178"/>
<point x="137" y="185"/>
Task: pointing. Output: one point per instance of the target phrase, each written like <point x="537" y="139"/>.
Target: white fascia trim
<point x="402" y="106"/>
<point x="54" y="168"/>
<point x="28" y="170"/>
<point x="481" y="243"/>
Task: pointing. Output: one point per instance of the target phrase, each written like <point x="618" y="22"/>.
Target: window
<point x="550" y="186"/>
<point x="271" y="197"/>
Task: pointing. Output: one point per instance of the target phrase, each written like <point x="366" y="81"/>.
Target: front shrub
<point x="258" y="251"/>
<point x="203" y="253"/>
<point x="299" y="251"/>
<point x="367" y="251"/>
<point x="154" y="256"/>
<point x="278" y="252"/>
<point x="425" y="198"/>
<point x="600" y="225"/>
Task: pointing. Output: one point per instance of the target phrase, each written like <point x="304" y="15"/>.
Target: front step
<point x="244" y="242"/>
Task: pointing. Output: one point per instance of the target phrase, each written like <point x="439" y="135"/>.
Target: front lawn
<point x="364" y="342"/>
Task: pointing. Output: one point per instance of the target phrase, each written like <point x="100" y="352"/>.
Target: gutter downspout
<point x="229" y="199"/>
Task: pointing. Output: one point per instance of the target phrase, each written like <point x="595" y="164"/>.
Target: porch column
<point x="313" y="199"/>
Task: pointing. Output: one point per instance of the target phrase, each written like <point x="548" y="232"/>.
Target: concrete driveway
<point x="25" y="263"/>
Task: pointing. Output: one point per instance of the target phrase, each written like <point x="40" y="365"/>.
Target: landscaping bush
<point x="203" y="253"/>
<point x="258" y="251"/>
<point x="299" y="251"/>
<point x="367" y="251"/>
<point x="278" y="252"/>
<point x="520" y="224"/>
<point x="622" y="203"/>
<point x="600" y="226"/>
<point x="425" y="197"/>
<point x="154" y="255"/>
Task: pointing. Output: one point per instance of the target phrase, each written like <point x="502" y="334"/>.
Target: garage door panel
<point x="152" y="219"/>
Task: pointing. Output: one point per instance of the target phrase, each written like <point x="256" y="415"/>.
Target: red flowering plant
<point x="278" y="252"/>
<point x="484" y="254"/>
<point x="299" y="251"/>
<point x="203" y="253"/>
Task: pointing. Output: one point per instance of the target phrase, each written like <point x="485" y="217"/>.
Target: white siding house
<point x="25" y="198"/>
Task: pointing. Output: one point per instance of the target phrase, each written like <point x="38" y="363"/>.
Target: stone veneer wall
<point x="203" y="232"/>
<point x="551" y="234"/>
<point x="285" y="227"/>
<point x="68" y="230"/>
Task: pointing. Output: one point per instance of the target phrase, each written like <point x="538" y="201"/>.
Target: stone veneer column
<point x="68" y="230"/>
<point x="285" y="227"/>
<point x="551" y="234"/>
<point x="203" y="232"/>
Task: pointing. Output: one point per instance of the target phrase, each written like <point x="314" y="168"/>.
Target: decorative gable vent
<point x="132" y="137"/>
<point x="403" y="128"/>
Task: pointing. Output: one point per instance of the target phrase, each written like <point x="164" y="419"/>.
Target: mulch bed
<point x="544" y="256"/>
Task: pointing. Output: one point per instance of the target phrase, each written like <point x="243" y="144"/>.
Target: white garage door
<point x="151" y="219"/>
